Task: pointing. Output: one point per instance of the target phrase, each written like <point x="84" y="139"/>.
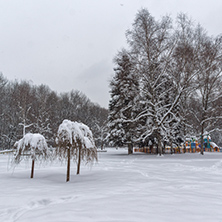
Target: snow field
<point x="139" y="187"/>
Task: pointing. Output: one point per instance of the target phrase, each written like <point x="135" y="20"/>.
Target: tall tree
<point x="182" y="71"/>
<point x="3" y="117"/>
<point x="209" y="82"/>
<point x="151" y="45"/>
<point x="122" y="109"/>
<point x="165" y="59"/>
<point x="40" y="111"/>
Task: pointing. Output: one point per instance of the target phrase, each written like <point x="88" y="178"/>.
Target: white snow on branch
<point x="73" y="131"/>
<point x="34" y="144"/>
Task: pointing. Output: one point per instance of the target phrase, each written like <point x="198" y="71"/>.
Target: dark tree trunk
<point x="151" y="149"/>
<point x="202" y="140"/>
<point x="171" y="147"/>
<point x="79" y="161"/>
<point x="164" y="147"/>
<point x="32" y="171"/>
<point x="68" y="165"/>
<point x="160" y="150"/>
<point x="130" y="148"/>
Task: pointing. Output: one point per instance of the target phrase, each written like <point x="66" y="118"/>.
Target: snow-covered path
<point x="183" y="187"/>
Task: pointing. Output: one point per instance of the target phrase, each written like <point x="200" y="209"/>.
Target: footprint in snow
<point x="16" y="213"/>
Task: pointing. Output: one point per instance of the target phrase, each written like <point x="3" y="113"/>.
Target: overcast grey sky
<point x="70" y="44"/>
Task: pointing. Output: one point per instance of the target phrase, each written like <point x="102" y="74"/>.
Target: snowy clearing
<point x="139" y="187"/>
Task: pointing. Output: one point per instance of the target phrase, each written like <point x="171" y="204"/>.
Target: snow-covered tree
<point x="151" y="46"/>
<point x="24" y="97"/>
<point x="40" y="111"/>
<point x="75" y="141"/>
<point x="122" y="105"/>
<point x="209" y="81"/>
<point x="28" y="108"/>
<point x="102" y="133"/>
<point x="33" y="146"/>
<point x="182" y="71"/>
<point x="5" y="139"/>
<point x="165" y="60"/>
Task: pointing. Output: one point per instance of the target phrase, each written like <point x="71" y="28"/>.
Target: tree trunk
<point x="164" y="147"/>
<point x="171" y="147"/>
<point x="68" y="165"/>
<point x="32" y="171"/>
<point x="130" y="148"/>
<point x="184" y="147"/>
<point x="202" y="140"/>
<point x="160" y="150"/>
<point x="79" y="160"/>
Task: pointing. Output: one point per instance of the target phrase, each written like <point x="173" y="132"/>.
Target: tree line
<point x="167" y="84"/>
<point x="25" y="108"/>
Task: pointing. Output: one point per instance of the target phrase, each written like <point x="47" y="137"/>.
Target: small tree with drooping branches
<point x="32" y="146"/>
<point x="75" y="141"/>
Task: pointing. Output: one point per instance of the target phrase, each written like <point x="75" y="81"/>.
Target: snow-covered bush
<point x="32" y="146"/>
<point x="75" y="141"/>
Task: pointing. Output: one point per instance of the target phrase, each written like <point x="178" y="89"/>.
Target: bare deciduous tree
<point x="209" y="81"/>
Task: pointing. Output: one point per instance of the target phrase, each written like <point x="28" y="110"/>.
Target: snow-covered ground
<point x="139" y="187"/>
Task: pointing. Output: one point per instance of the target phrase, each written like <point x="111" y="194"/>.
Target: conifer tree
<point x="122" y="109"/>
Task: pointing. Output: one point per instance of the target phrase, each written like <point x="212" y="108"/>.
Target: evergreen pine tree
<point x="122" y="105"/>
